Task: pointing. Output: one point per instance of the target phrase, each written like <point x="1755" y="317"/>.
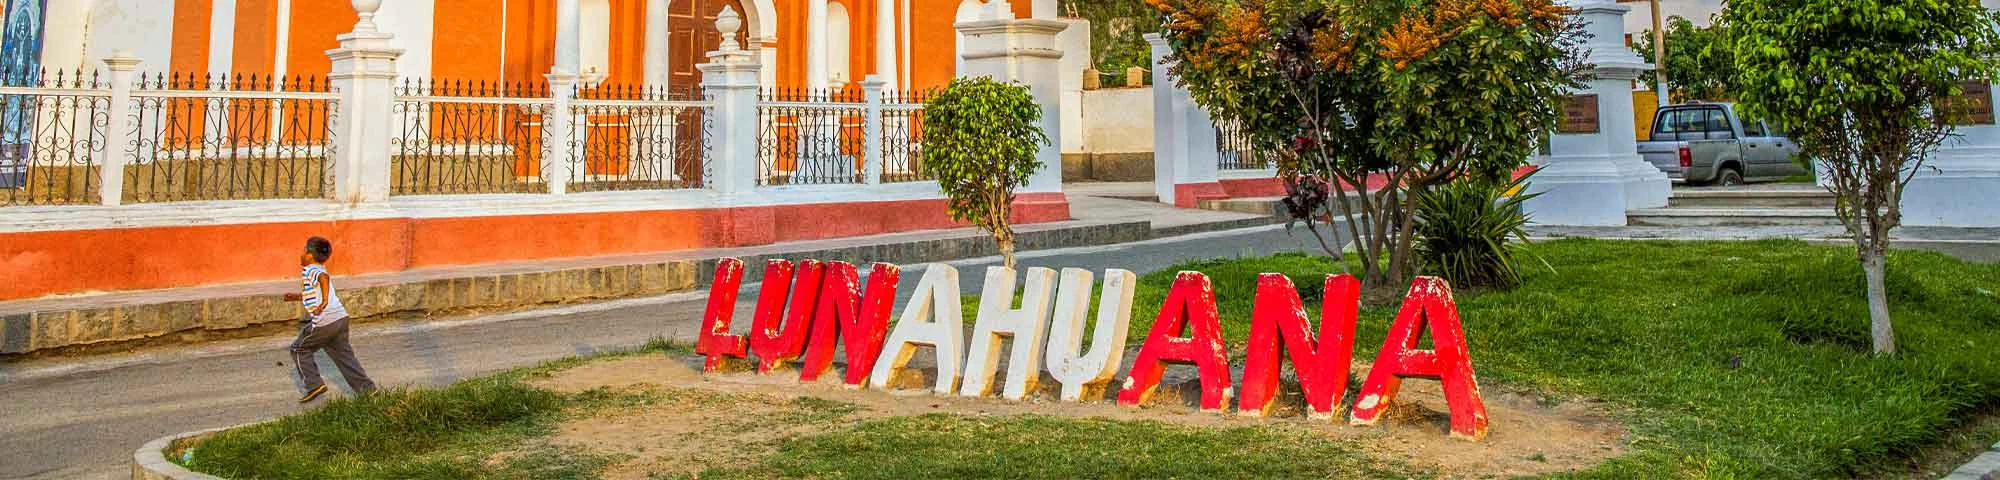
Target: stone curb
<point x="150" y="461"/>
<point x="1986" y="466"/>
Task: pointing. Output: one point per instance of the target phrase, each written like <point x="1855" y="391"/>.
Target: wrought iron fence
<point x="468" y="137"/>
<point x="52" y="135"/>
<point x="639" y="138"/>
<point x="1234" y="149"/>
<point x="809" y="137"/>
<point x="903" y="136"/>
<point x="229" y="138"/>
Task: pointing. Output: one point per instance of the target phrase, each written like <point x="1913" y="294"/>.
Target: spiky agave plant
<point x="1463" y="229"/>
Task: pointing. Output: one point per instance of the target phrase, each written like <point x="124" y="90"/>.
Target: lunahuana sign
<point x="804" y="310"/>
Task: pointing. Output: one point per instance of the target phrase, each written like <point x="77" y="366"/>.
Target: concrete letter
<point x="1428" y="307"/>
<point x="998" y="320"/>
<point x="775" y="337"/>
<point x="1072" y="368"/>
<point x="936" y="298"/>
<point x="847" y="316"/>
<point x="1191" y="303"/>
<point x="716" y="343"/>
<point x="1322" y="364"/>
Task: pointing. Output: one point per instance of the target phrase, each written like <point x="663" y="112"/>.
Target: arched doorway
<point x="692" y="34"/>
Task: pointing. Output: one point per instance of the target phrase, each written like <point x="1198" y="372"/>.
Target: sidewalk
<point x="102" y="321"/>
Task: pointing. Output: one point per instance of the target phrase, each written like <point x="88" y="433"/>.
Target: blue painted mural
<point x="20" y="66"/>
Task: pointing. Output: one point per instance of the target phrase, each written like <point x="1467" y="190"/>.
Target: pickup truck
<point x="1707" y="143"/>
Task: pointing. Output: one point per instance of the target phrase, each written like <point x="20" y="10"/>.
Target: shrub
<point x="981" y="137"/>
<point x="1462" y="232"/>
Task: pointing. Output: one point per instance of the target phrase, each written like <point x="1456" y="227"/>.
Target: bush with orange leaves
<point x="1411" y="93"/>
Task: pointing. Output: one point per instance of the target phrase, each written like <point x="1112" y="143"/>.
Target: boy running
<point x="324" y="326"/>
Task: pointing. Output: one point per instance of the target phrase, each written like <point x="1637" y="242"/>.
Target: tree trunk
<point x="1006" y="241"/>
<point x="1873" y="264"/>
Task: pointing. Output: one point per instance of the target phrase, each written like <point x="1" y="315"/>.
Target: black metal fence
<point x="810" y="137"/>
<point x="468" y="137"/>
<point x="903" y="136"/>
<point x="1235" y="151"/>
<point x="639" y="138"/>
<point x="229" y="138"/>
<point x="52" y="133"/>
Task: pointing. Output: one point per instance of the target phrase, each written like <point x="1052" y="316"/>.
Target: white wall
<point x="411" y="22"/>
<point x="1075" y="44"/>
<point x="839" y="45"/>
<point x="1118" y="120"/>
<point x="594" y="51"/>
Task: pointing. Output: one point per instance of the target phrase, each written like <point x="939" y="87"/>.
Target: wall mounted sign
<point x="1579" y="114"/>
<point x="1973" y="106"/>
<point x="806" y="309"/>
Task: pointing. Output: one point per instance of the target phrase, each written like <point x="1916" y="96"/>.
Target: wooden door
<point x="691" y="25"/>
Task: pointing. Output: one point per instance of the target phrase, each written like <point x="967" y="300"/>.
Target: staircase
<point x="1753" y="205"/>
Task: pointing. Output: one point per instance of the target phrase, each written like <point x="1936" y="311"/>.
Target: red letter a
<point x="775" y="337"/>
<point x="715" y="341"/>
<point x="1428" y="307"/>
<point x="859" y="321"/>
<point x="1192" y="300"/>
<point x="1322" y="365"/>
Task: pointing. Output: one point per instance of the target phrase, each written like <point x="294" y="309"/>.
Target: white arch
<point x="839" y="45"/>
<point x="968" y="10"/>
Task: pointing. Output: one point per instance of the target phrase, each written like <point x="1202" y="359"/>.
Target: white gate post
<point x="871" y="129"/>
<point x="731" y="79"/>
<point x="117" y="129"/>
<point x="1025" y="51"/>
<point x="561" y="131"/>
<point x="364" y="73"/>
<point x="1589" y="178"/>
<point x="1185" y="169"/>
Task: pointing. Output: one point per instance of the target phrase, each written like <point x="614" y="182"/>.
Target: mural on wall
<point x="20" y="63"/>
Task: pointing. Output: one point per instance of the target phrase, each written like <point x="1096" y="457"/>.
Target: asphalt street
<point x="82" y="418"/>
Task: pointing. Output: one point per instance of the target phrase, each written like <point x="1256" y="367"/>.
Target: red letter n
<point x="859" y="321"/>
<point x="715" y="341"/>
<point x="1192" y="301"/>
<point x="1428" y="307"/>
<point x="1321" y="364"/>
<point x="775" y="337"/>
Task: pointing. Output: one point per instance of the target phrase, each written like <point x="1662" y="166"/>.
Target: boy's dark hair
<point x="319" y="248"/>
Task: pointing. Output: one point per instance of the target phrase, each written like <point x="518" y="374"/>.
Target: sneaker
<point x="315" y="393"/>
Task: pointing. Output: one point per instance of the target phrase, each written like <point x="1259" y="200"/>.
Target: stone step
<point x="1705" y="217"/>
<point x="1760" y="198"/>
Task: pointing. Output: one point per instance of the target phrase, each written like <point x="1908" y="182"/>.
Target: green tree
<point x="1403" y="95"/>
<point x="1864" y="86"/>
<point x="1117" y="33"/>
<point x="980" y="139"/>
<point x="1701" y="61"/>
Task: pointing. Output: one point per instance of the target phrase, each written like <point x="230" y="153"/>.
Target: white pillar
<point x="117" y="129"/>
<point x="657" y="48"/>
<point x="885" y="41"/>
<point x="1184" y="156"/>
<point x="569" y="36"/>
<point x="563" y="135"/>
<point x="1954" y="187"/>
<point x="1044" y="9"/>
<point x="1617" y="67"/>
<point x="1025" y="51"/>
<point x="816" y="66"/>
<point x="731" y="80"/>
<point x="871" y="129"/>
<point x="1074" y="39"/>
<point x="1585" y="179"/>
<point x="364" y="72"/>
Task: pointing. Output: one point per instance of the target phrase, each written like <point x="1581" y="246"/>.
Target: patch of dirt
<point x="739" y="416"/>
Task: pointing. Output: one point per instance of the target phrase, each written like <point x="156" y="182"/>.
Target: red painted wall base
<point x="36" y="264"/>
<point x="1190" y="195"/>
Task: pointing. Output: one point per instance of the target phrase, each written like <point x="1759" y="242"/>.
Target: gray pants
<point x="333" y="339"/>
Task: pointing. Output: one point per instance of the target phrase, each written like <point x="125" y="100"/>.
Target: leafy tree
<point x="1864" y="85"/>
<point x="1117" y="33"/>
<point x="980" y="139"/>
<point x="1701" y="61"/>
<point x="1398" y="95"/>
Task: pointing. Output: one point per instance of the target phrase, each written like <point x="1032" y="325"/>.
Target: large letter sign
<point x="1322" y="365"/>
<point x="937" y="299"/>
<point x="845" y="315"/>
<point x="998" y="320"/>
<point x="1428" y="307"/>
<point x="775" y="337"/>
<point x="1070" y="367"/>
<point x="716" y="342"/>
<point x="1191" y="303"/>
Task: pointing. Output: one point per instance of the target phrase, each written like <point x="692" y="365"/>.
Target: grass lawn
<point x="1725" y="359"/>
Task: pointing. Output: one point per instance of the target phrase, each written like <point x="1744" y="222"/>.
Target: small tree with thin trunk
<point x="980" y="140"/>
<point x="1866" y="87"/>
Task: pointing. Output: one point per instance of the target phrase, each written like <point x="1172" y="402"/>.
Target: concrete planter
<point x="150" y="461"/>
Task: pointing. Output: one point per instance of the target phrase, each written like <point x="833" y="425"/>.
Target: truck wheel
<point x="1729" y="177"/>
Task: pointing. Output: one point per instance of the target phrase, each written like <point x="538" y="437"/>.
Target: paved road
<point x="83" y="419"/>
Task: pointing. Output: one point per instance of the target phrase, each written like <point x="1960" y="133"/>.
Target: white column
<point x="1954" y="187"/>
<point x="1584" y="180"/>
<point x="117" y="128"/>
<point x="1074" y="39"/>
<point x="871" y="129"/>
<point x="731" y="79"/>
<point x="657" y="49"/>
<point x="364" y="72"/>
<point x="1184" y="156"/>
<point x="1025" y="51"/>
<point x="1044" y="9"/>
<point x="563" y="134"/>
<point x="885" y="40"/>
<point x="816" y="66"/>
<point x="569" y="36"/>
